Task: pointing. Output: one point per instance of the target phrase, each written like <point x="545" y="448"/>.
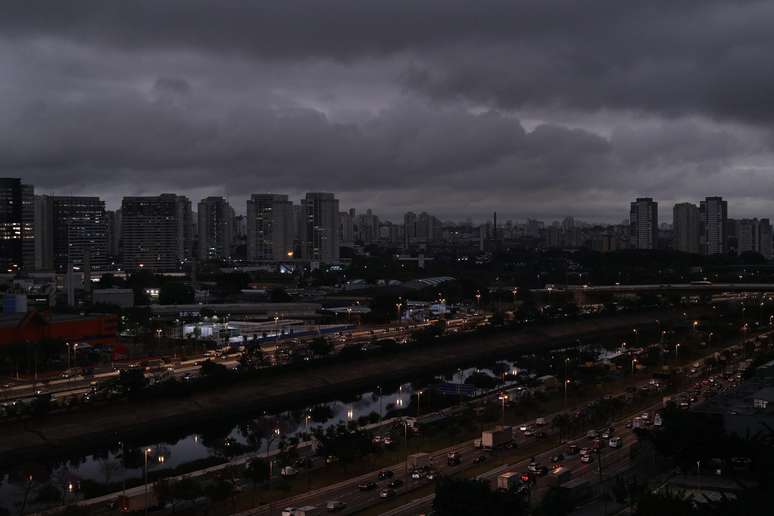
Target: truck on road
<point x="306" y="510"/>
<point x="508" y="481"/>
<point x="500" y="436"/>
<point x="418" y="460"/>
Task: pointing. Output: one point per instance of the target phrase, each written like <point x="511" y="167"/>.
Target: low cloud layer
<point x="537" y="108"/>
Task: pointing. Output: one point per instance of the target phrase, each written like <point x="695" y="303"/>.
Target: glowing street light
<point x="146" y="451"/>
<point x="503" y="397"/>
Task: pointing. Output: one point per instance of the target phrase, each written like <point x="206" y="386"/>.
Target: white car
<point x="614" y="442"/>
<point x="289" y="471"/>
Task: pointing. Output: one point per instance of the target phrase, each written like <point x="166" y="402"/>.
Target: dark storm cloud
<point x="141" y="140"/>
<point x="691" y="56"/>
<point x="530" y="107"/>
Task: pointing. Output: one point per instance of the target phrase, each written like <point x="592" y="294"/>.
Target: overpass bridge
<point x="582" y="293"/>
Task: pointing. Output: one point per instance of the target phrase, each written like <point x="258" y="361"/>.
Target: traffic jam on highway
<point x="575" y="464"/>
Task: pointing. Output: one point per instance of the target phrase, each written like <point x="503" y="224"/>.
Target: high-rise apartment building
<point x="17" y="225"/>
<point x="271" y="227"/>
<point x="71" y="230"/>
<point x="44" y="233"/>
<point x="320" y="240"/>
<point x="754" y="235"/>
<point x="643" y="223"/>
<point x="216" y="228"/>
<point x="114" y="233"/>
<point x="347" y="227"/>
<point x="686" y="224"/>
<point x="156" y="232"/>
<point x="366" y="227"/>
<point x="714" y="216"/>
<point x="409" y="227"/>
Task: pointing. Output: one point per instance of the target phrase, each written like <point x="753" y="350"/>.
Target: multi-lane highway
<point x="612" y="460"/>
<point x="356" y="499"/>
<point x="75" y="384"/>
<point x="605" y="463"/>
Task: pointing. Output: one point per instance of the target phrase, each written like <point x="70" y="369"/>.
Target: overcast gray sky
<point x="539" y="108"/>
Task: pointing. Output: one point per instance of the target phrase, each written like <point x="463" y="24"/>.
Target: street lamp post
<point x="503" y="397"/>
<point x="677" y="352"/>
<point x="566" y="361"/>
<point x="274" y="435"/>
<point x="634" y="363"/>
<point x="146" y="451"/>
<point x="419" y="400"/>
<point x="405" y="445"/>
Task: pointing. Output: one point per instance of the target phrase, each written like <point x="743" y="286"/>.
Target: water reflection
<point x="125" y="460"/>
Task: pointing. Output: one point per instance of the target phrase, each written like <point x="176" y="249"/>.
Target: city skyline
<point x="537" y="109"/>
<point x="621" y="217"/>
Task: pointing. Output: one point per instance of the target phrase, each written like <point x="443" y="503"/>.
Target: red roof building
<point x="97" y="329"/>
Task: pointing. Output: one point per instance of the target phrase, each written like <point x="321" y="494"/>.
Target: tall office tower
<point x="73" y="231"/>
<point x="686" y="223"/>
<point x="17" y="225"/>
<point x="156" y="232"/>
<point x="270" y="227"/>
<point x="113" y="219"/>
<point x="321" y="227"/>
<point x="347" y="227"/>
<point x="643" y="223"/>
<point x="216" y="228"/>
<point x="714" y="216"/>
<point x="44" y="234"/>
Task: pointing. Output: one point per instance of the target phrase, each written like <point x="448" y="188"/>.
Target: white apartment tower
<point x="320" y="237"/>
<point x="687" y="228"/>
<point x="714" y="215"/>
<point x="216" y="228"/>
<point x="270" y="228"/>
<point x="643" y="223"/>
